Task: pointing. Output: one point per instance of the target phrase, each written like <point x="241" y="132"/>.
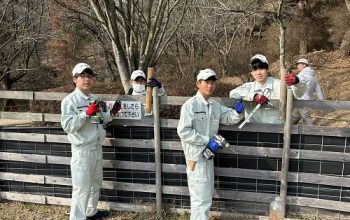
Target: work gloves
<point x="291" y="79"/>
<point x="213" y="145"/>
<point x="260" y="99"/>
<point x="92" y="109"/>
<point x="239" y="106"/>
<point x="154" y="83"/>
<point x="116" y="107"/>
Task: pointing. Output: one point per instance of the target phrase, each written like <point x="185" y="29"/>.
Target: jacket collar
<point x="202" y="99"/>
<point x="87" y="97"/>
<point x="267" y="85"/>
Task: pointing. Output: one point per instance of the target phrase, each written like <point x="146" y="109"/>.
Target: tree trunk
<point x="345" y="44"/>
<point x="303" y="47"/>
<point x="122" y="68"/>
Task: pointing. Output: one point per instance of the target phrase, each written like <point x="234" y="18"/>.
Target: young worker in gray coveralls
<point x="86" y="137"/>
<point x="138" y="84"/>
<point x="304" y="70"/>
<point x="199" y="122"/>
<point x="263" y="89"/>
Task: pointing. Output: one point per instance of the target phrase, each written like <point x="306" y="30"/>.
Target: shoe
<point x="99" y="215"/>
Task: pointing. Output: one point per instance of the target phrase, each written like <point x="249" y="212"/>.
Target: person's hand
<point x="213" y="145"/>
<point x="92" y="109"/>
<point x="117" y="106"/>
<point x="154" y="83"/>
<point x="239" y="106"/>
<point x="260" y="99"/>
<point x="291" y="79"/>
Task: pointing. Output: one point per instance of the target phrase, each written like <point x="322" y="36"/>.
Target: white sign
<point x="130" y="110"/>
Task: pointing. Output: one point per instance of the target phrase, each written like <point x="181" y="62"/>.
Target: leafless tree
<point x="226" y="25"/>
<point x="21" y="23"/>
<point x="21" y="31"/>
<point x="138" y="31"/>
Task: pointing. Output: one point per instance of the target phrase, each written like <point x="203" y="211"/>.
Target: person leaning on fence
<point x="262" y="89"/>
<point x="86" y="137"/>
<point x="199" y="122"/>
<point x="138" y="84"/>
<point x="305" y="71"/>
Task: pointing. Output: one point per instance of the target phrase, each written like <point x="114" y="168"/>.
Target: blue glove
<point x="154" y="83"/>
<point x="213" y="145"/>
<point x="239" y="107"/>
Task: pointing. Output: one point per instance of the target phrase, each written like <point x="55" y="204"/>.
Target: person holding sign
<point x="138" y="84"/>
<point x="198" y="126"/>
<point x="83" y="116"/>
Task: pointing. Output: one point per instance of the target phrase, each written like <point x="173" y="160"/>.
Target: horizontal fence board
<point x="50" y="200"/>
<point x="47" y="117"/>
<point x="26" y="95"/>
<point x="244" y="196"/>
<point x="136" y="187"/>
<point x="253" y="151"/>
<point x="129" y="165"/>
<point x="58" y="160"/>
<point x="29" y="178"/>
<point x="319" y="179"/>
<point x="22" y="116"/>
<point x="54" y="138"/>
<point x="319" y="130"/>
<point x="320" y="155"/>
<point x="13" y="136"/>
<point x="137" y="143"/>
<point x="318" y="203"/>
<point x="145" y="122"/>
<point x="326" y="105"/>
<point x="32" y="158"/>
<point x="58" y="96"/>
<point x="56" y="180"/>
<point x="246" y="173"/>
<point x="23" y="197"/>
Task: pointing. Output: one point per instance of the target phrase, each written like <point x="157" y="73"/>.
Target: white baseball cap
<point x="303" y="61"/>
<point x="260" y="57"/>
<point x="205" y="74"/>
<point x="136" y="74"/>
<point x="80" y="67"/>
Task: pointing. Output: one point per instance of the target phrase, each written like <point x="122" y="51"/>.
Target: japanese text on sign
<point x="130" y="110"/>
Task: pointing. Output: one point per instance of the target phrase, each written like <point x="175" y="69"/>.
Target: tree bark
<point x="303" y="46"/>
<point x="345" y="44"/>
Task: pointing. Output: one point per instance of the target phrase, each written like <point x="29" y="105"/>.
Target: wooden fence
<point x="338" y="205"/>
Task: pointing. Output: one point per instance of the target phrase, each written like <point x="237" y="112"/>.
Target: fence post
<point x="148" y="107"/>
<point x="157" y="152"/>
<point x="286" y="146"/>
<point x="283" y="94"/>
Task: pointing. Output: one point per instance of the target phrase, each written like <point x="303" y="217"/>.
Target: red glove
<point x="93" y="108"/>
<point x="116" y="107"/>
<point x="260" y="99"/>
<point x="291" y="79"/>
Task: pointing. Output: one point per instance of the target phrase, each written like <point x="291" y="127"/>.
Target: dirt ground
<point x="11" y="210"/>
